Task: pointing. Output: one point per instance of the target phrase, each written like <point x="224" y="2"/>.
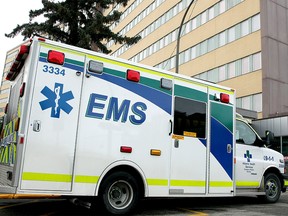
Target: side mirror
<point x="269" y="137"/>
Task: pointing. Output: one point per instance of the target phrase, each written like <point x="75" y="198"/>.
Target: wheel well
<point x="276" y="172"/>
<point x="130" y="170"/>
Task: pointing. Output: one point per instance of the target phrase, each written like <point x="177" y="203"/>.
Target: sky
<point x="13" y="12"/>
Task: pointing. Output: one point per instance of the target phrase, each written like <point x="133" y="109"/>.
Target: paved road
<point x="244" y="206"/>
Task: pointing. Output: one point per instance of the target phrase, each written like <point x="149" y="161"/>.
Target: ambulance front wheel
<point x="119" y="193"/>
<point x="272" y="188"/>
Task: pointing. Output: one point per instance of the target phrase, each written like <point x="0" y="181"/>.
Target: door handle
<point x="36" y="125"/>
<point x="229" y="148"/>
<point x="171" y="127"/>
<point x="176" y="143"/>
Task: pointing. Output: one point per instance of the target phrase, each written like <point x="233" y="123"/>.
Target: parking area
<point x="247" y="206"/>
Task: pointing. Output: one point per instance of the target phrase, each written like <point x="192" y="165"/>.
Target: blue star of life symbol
<point x="248" y="156"/>
<point x="56" y="100"/>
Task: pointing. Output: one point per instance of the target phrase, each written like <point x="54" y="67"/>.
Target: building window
<point x="245" y="65"/>
<point x="231" y="34"/>
<point x="187" y="56"/>
<point x="257" y="102"/>
<point x="256" y="23"/>
<point x="195" y="22"/>
<point x="222" y="6"/>
<point x="213" y="75"/>
<point x="222" y="38"/>
<point x="5" y="91"/>
<point x="203" y="47"/>
<point x="193" y="52"/>
<point x="203" y="17"/>
<point x="231" y="70"/>
<point x="245" y="28"/>
<point x="257" y="61"/>
<point x="251" y="102"/>
<point x="238" y="67"/>
<point x="246" y="103"/>
<point x="3" y="100"/>
<point x="235" y="68"/>
<point x="222" y="73"/>
<point x="211" y="13"/>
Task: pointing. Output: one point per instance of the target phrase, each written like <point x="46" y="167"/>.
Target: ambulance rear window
<point x="189" y="118"/>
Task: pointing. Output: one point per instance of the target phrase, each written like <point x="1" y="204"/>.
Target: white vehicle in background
<point x="257" y="167"/>
<point x="80" y="125"/>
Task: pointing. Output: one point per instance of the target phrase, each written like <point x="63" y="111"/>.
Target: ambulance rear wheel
<point x="272" y="188"/>
<point x="119" y="193"/>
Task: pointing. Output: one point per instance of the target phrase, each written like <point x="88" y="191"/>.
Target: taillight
<point x="6" y="108"/>
<point x="17" y="124"/>
<point x="22" y="89"/>
<point x="125" y="149"/>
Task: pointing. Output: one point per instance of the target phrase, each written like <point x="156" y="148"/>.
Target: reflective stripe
<point x="221" y="184"/>
<point x="286" y="183"/>
<point x="31" y="176"/>
<point x="187" y="183"/>
<point x="247" y="184"/>
<point x="191" y="183"/>
<point x="86" y="179"/>
<point x="157" y="182"/>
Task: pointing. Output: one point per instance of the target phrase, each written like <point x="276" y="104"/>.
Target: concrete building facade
<point x="242" y="44"/>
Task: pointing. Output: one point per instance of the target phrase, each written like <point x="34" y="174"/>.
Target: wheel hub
<point x="271" y="188"/>
<point x="120" y="194"/>
<point x="116" y="193"/>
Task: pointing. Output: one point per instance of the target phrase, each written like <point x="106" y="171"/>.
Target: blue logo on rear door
<point x="56" y="100"/>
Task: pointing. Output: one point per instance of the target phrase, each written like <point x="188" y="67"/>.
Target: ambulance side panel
<point x="117" y="113"/>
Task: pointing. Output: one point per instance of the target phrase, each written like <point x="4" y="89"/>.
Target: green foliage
<point x="80" y="23"/>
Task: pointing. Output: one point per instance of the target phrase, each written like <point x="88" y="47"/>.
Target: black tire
<point x="119" y="193"/>
<point x="272" y="188"/>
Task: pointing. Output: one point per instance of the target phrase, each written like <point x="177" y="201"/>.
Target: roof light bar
<point x="56" y="57"/>
<point x="222" y="97"/>
<point x="133" y="75"/>
<point x="18" y="62"/>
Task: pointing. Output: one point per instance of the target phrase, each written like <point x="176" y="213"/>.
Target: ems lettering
<point x="116" y="110"/>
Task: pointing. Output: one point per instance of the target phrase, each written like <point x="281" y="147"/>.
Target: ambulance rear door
<point x="51" y="137"/>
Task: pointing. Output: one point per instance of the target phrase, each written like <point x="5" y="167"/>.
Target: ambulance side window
<point x="244" y="134"/>
<point x="189" y="118"/>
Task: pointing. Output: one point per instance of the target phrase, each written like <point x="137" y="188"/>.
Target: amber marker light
<point x="155" y="152"/>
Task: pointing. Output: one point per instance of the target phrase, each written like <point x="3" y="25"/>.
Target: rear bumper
<point x="6" y="189"/>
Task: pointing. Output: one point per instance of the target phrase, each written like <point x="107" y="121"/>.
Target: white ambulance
<point x="81" y="125"/>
